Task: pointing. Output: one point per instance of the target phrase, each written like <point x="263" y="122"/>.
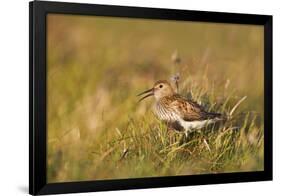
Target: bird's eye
<point x="160" y="86"/>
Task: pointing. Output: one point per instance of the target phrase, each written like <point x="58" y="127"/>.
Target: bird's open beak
<point x="147" y="93"/>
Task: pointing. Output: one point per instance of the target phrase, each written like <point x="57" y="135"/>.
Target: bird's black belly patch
<point x="176" y="125"/>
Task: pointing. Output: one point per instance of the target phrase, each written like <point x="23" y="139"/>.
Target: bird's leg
<point x="187" y="133"/>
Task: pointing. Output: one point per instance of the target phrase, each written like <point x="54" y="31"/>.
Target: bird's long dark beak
<point x="149" y="91"/>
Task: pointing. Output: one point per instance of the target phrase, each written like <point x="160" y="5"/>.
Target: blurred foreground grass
<point x="96" y="128"/>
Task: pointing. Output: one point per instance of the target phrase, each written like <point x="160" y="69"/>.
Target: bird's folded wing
<point x="188" y="110"/>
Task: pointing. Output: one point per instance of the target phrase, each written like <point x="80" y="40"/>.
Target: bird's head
<point x="161" y="88"/>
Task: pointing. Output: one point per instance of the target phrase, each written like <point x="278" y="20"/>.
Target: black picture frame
<point x="38" y="11"/>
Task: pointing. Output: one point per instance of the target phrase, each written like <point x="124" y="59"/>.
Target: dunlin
<point x="176" y="111"/>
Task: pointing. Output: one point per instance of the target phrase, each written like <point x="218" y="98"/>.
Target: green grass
<point x="96" y="128"/>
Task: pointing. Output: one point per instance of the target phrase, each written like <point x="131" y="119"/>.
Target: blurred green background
<point x="97" y="65"/>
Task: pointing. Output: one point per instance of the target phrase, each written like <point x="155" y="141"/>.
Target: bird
<point x="178" y="112"/>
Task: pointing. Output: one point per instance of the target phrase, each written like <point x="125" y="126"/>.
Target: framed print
<point x="131" y="97"/>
